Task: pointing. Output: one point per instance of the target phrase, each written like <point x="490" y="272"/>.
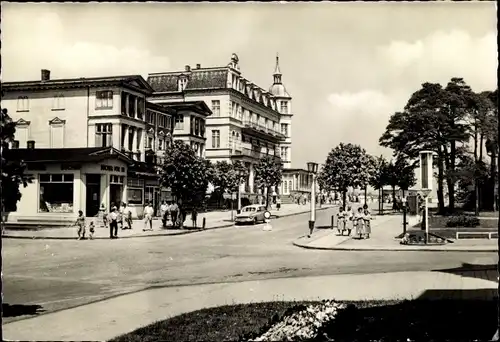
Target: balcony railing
<point x="252" y="153"/>
<point x="263" y="128"/>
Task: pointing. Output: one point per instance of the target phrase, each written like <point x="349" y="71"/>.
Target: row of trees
<point x="348" y="165"/>
<point x="188" y="175"/>
<point x="460" y="126"/>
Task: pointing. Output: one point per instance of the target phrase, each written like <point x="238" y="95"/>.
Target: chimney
<point x="45" y="75"/>
<point x="31" y="144"/>
<point x="198" y="66"/>
<point x="188" y="68"/>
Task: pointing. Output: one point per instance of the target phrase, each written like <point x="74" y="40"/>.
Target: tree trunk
<point x="481" y="144"/>
<point x="393" y="197"/>
<point x="440" y="181"/>
<point x="366" y="190"/>
<point x="476" y="182"/>
<point x="380" y="201"/>
<point x="493" y="180"/>
<point x="451" y="177"/>
<point x="267" y="197"/>
<point x="344" y="198"/>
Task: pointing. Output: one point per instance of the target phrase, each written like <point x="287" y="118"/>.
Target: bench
<point x="486" y="234"/>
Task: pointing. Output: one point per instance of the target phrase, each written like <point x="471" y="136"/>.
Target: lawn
<point x="367" y="320"/>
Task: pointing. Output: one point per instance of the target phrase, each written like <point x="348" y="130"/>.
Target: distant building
<point x="247" y="121"/>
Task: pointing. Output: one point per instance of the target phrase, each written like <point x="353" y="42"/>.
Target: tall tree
<point x="224" y="179"/>
<point x="13" y="171"/>
<point x="347" y="165"/>
<point x="186" y="174"/>
<point x="379" y="179"/>
<point x="268" y="173"/>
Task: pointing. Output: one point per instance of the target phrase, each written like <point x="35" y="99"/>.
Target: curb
<point x="183" y="232"/>
<point x="397" y="249"/>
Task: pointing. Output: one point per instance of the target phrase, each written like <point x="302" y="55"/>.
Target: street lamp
<point x="405" y="204"/>
<point x="312" y="168"/>
<point x="239" y="173"/>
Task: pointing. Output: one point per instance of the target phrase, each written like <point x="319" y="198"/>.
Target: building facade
<point x="109" y="113"/>
<point x="247" y="121"/>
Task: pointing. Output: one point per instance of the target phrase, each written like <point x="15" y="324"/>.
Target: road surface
<point x="58" y="274"/>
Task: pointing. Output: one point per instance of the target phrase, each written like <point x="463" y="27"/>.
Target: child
<point x="341" y="218"/>
<point x="367" y="218"/>
<point x="91" y="230"/>
<point x="80" y="222"/>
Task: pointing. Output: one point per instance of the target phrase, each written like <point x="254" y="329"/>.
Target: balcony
<point x="258" y="129"/>
<point x="252" y="153"/>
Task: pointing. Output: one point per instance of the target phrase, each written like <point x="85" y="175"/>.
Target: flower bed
<point x="303" y="324"/>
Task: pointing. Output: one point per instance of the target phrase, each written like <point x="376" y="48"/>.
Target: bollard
<point x="332" y="222"/>
<point x="204" y="222"/>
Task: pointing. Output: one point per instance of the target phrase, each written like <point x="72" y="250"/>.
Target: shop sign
<point x="112" y="168"/>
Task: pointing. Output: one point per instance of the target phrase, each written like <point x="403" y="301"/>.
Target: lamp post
<point x="312" y="168"/>
<point x="239" y="174"/>
<point x="405" y="203"/>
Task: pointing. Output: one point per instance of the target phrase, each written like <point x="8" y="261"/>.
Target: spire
<point x="277" y="71"/>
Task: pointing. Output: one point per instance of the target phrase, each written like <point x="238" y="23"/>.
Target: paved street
<point x="57" y="274"/>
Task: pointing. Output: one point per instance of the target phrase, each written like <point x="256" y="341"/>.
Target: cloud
<point x="439" y="57"/>
<point x="46" y="39"/>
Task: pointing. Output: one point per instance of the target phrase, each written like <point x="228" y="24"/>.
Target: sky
<point x="348" y="66"/>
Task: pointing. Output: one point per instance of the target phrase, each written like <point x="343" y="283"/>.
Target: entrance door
<point x="115" y="195"/>
<point x="93" y="194"/>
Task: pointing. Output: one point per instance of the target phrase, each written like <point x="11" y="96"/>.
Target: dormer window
<point x="182" y="82"/>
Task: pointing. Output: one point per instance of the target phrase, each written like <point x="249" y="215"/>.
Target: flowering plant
<point x="304" y="324"/>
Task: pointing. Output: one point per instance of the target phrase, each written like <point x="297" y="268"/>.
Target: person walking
<point x="350" y="223"/>
<point x="341" y="221"/>
<point x="103" y="215"/>
<point x="174" y="212"/>
<point x="80" y="222"/>
<point x="113" y="223"/>
<point x="126" y="216"/>
<point x="359" y="223"/>
<point x="163" y="213"/>
<point x="367" y="221"/>
<point x="148" y="217"/>
<point x="278" y="203"/>
<point x="194" y="217"/>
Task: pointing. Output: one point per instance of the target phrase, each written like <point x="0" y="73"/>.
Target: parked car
<point x="251" y="214"/>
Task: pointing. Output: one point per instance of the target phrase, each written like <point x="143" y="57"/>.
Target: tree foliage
<point x="13" y="171"/>
<point x="186" y="174"/>
<point x="228" y="176"/>
<point x="268" y="173"/>
<point x="347" y="165"/>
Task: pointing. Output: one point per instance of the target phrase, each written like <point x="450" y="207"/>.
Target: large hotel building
<point x="96" y="141"/>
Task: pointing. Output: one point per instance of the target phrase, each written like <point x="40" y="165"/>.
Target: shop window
<point x="104" y="99"/>
<point x="103" y="135"/>
<point x="56" y="193"/>
<point x="134" y="196"/>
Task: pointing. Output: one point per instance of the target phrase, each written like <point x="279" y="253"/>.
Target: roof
<point x="199" y="107"/>
<point x="279" y="90"/>
<point x="208" y="78"/>
<point x="160" y="108"/>
<point x="133" y="81"/>
<point x="55" y="155"/>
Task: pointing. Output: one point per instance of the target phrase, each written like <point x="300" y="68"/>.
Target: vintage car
<point x="251" y="214"/>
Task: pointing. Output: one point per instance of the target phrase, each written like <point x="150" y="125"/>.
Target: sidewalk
<point x="112" y="317"/>
<point x="214" y="219"/>
<point x="384" y="231"/>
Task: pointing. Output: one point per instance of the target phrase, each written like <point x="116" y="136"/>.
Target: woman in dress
<point x="359" y="222"/>
<point x="367" y="217"/>
<point x="349" y="217"/>
<point x="341" y="221"/>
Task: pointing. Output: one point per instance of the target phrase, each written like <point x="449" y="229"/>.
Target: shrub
<point x="463" y="221"/>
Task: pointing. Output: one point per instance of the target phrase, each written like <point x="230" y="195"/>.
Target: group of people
<point x="172" y="212"/>
<point x="359" y="221"/>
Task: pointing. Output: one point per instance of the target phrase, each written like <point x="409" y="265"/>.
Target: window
<point x="58" y="102"/>
<point x="196" y="126"/>
<point x="216" y="107"/>
<point x="284" y="129"/>
<point x="283" y="151"/>
<point x="22" y="133"/>
<point x="284" y="107"/>
<point x="202" y="128"/>
<point x="124" y="97"/>
<point x="160" y="144"/>
<point x="230" y="108"/>
<point x="57" y="133"/>
<point x="150" y="143"/>
<point x="215" y="139"/>
<point x="56" y="193"/>
<point x="179" y="122"/>
<point x="131" y="106"/>
<point x="240" y="113"/>
<point x="182" y="83"/>
<point x="14" y="144"/>
<point x="104" y="99"/>
<point x="286" y="187"/>
<point x="168" y="121"/>
<point x="130" y="139"/>
<point x="162" y="121"/>
<point x="23" y="104"/>
<point x="114" y="179"/>
<point x="140" y="108"/>
<point x="134" y="196"/>
<point x="103" y="135"/>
